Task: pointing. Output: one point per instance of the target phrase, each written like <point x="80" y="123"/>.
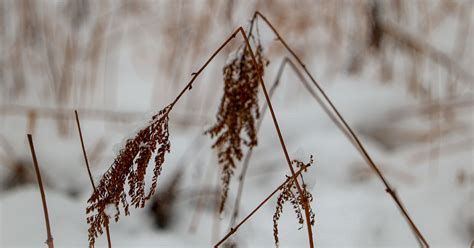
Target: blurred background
<point x="399" y="71"/>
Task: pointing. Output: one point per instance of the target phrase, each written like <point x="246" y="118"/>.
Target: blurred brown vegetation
<point x="56" y="56"/>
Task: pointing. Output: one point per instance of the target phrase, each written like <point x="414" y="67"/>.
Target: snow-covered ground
<point x="351" y="205"/>
<point x="350" y="210"/>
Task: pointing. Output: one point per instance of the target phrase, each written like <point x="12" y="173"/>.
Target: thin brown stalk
<point x="112" y="191"/>
<point x="249" y="153"/>
<point x="49" y="240"/>
<point x="236" y="227"/>
<point x="196" y="74"/>
<point x="368" y="158"/>
<point x="109" y="241"/>
<point x="275" y="122"/>
<point x="96" y="223"/>
<point x="286" y="61"/>
<point x="282" y="142"/>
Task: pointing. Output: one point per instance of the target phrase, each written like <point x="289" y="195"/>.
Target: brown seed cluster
<point x="130" y="167"/>
<point x="238" y="111"/>
<point x="289" y="193"/>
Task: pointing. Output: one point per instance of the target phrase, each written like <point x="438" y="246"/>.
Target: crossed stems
<point x="342" y="125"/>
<point x="275" y="122"/>
<point x="348" y="131"/>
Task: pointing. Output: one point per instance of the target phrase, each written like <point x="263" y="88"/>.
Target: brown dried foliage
<point x="237" y="113"/>
<point x="130" y="166"/>
<point x="289" y="193"/>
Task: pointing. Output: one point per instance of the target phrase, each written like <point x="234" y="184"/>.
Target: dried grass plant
<point x="129" y="168"/>
<point x="290" y="194"/>
<point x="378" y="37"/>
<point x="238" y="111"/>
<point x="138" y="150"/>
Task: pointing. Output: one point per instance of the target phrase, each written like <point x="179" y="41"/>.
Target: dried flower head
<point x="289" y="193"/>
<point x="130" y="166"/>
<point x="238" y="111"/>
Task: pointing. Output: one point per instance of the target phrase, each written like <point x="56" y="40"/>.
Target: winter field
<point x="398" y="72"/>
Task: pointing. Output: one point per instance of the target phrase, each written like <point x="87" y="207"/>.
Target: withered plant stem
<point x="196" y="74"/>
<point x="49" y="240"/>
<point x="275" y="122"/>
<point x="234" y="229"/>
<point x="109" y="240"/>
<point x="283" y="65"/>
<point x="371" y="163"/>
<point x="249" y="153"/>
<point x="282" y="142"/>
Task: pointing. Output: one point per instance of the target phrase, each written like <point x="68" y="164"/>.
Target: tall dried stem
<point x="49" y="240"/>
<point x="283" y="146"/>
<point x="107" y="230"/>
<point x="111" y="188"/>
<point x="368" y="158"/>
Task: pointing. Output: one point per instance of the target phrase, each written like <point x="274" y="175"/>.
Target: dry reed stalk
<point x="111" y="187"/>
<point x="286" y="61"/>
<point x="136" y="153"/>
<point x="284" y="64"/>
<point x="304" y="199"/>
<point x="234" y="229"/>
<point x="107" y="231"/>
<point x="249" y="153"/>
<point x="49" y="240"/>
<point x="368" y="158"/>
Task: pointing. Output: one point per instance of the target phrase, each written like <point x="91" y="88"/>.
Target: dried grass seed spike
<point x="130" y="167"/>
<point x="237" y="113"/>
<point x="290" y="194"/>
